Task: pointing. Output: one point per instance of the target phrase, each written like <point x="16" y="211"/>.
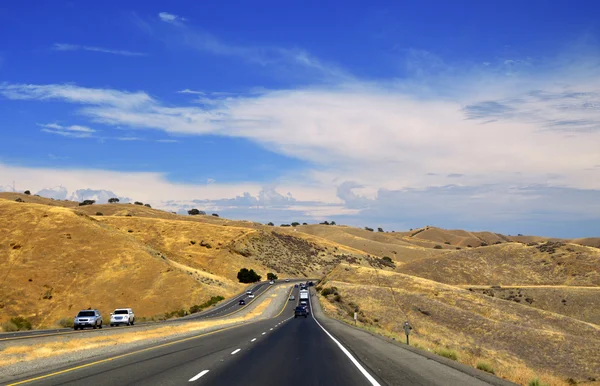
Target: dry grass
<point x="581" y="303"/>
<point x="59" y="260"/>
<point x="513" y="264"/>
<point x="518" y="341"/>
<point x="56" y="262"/>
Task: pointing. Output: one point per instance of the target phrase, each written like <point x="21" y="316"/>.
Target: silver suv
<point x="87" y="318"/>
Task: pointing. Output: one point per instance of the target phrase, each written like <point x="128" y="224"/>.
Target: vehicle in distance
<point x="287" y="280"/>
<point x="87" y="318"/>
<point x="295" y="285"/>
<point x="122" y="316"/>
<point x="300" y="311"/>
<point x="303" y="303"/>
<point x="248" y="292"/>
<point x="292" y="298"/>
<point x="304" y="294"/>
<point x="271" y="282"/>
<point x="251" y="296"/>
<point x="242" y="302"/>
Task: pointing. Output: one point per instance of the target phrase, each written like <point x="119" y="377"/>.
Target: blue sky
<point x="468" y="114"/>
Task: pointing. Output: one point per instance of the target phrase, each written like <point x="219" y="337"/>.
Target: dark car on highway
<point x="300" y="311"/>
<point x="242" y="302"/>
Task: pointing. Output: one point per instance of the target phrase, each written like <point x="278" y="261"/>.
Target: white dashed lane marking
<point x="199" y="375"/>
<point x="236" y="351"/>
<point x="253" y="340"/>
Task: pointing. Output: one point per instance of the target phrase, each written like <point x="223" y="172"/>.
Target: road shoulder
<point x="397" y="363"/>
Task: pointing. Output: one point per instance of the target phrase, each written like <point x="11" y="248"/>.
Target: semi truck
<point x="304" y="295"/>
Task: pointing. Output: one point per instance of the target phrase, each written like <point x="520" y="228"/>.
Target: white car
<point x="122" y="316"/>
<point x="287" y="280"/>
<point x="271" y="282"/>
<point x="248" y="292"/>
<point x="251" y="296"/>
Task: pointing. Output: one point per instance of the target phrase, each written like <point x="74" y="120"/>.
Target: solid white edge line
<point x="345" y="351"/>
<point x="253" y="340"/>
<point x="236" y="351"/>
<point x="199" y="375"/>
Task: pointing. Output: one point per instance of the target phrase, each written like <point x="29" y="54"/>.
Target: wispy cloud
<point x="74" y="131"/>
<point x="75" y="47"/>
<point x="291" y="59"/>
<point x="167" y="141"/>
<point x="170" y="18"/>
<point x="188" y="91"/>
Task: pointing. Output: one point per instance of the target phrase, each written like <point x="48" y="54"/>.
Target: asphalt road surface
<point x="221" y="310"/>
<point x="278" y="351"/>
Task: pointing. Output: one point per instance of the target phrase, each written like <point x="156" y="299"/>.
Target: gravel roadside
<point x="34" y="355"/>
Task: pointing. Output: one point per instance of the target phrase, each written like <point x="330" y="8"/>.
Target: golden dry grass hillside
<point x="581" y="303"/>
<point x="519" y="342"/>
<point x="551" y="263"/>
<point x="58" y="259"/>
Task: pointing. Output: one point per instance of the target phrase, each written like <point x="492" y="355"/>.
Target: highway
<point x="278" y="351"/>
<point x="224" y="309"/>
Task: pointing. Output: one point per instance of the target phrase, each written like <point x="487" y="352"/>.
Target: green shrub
<point x="437" y="247"/>
<point x="450" y="354"/>
<point x="271" y="276"/>
<point x="536" y="382"/>
<point x="21" y="323"/>
<point x="66" y="322"/>
<point x="199" y="307"/>
<point x="328" y="291"/>
<point x="99" y="214"/>
<point x="485" y="367"/>
<point x="247" y="276"/>
<point x="9" y="327"/>
<point x="338" y="299"/>
<point x="388" y="259"/>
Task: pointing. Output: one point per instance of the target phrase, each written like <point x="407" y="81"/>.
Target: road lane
<point x="222" y="310"/>
<point x="278" y="351"/>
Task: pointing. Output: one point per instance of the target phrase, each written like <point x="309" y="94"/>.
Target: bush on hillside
<point x="87" y="202"/>
<point x="113" y="200"/>
<point x="324" y="223"/>
<point x="328" y="291"/>
<point x="66" y="322"/>
<point x="215" y="215"/>
<point x="369" y="229"/>
<point x="21" y="323"/>
<point x="304" y="223"/>
<point x="19" y="199"/>
<point x="271" y="276"/>
<point x="379" y="229"/>
<point x="138" y="203"/>
<point x="285" y="225"/>
<point x="195" y="212"/>
<point x="450" y="354"/>
<point x="437" y="247"/>
<point x="485" y="367"/>
<point x="388" y="259"/>
<point x="212" y="301"/>
<point x="447" y="242"/>
<point x="248" y="276"/>
<point x="271" y="224"/>
<point x="148" y="206"/>
<point x="295" y="224"/>
<point x="99" y="214"/>
<point x="27" y="192"/>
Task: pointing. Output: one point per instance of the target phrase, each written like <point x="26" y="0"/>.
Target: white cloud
<point x="76" y="47"/>
<point x="167" y="141"/>
<point x="495" y="137"/>
<point x="170" y="18"/>
<point x="73" y="131"/>
<point x="188" y="91"/>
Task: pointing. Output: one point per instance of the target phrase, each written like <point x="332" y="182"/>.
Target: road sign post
<point x="407" y="328"/>
<point x="355" y="317"/>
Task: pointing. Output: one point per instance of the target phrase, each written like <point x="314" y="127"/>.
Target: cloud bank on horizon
<point x="508" y="144"/>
